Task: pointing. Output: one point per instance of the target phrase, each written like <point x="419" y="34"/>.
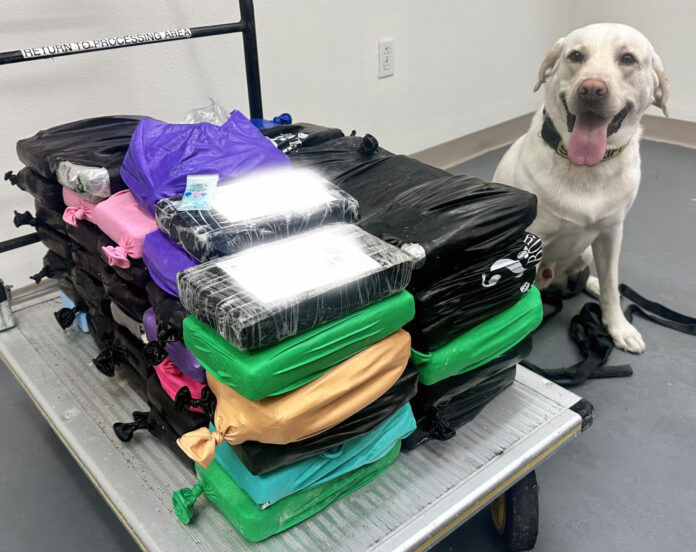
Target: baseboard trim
<point x="670" y="131"/>
<point x="459" y="150"/>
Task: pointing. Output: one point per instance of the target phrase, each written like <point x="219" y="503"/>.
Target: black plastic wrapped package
<point x="181" y="420"/>
<point x="267" y="293"/>
<point x="340" y="158"/>
<point x="54" y="266"/>
<point x="123" y="319"/>
<point x="442" y="408"/>
<point x="253" y="209"/>
<point x="88" y="236"/>
<point x="458" y="220"/>
<point x="169" y="313"/>
<point x="55" y="241"/>
<point x="380" y="182"/>
<point x="163" y="421"/>
<point x="288" y="138"/>
<point x="101" y="327"/>
<point x="84" y="156"/>
<point x="91" y="290"/>
<point x="49" y="191"/>
<point x="89" y="262"/>
<point x="129" y="349"/>
<point x="137" y="274"/>
<point x="132" y="300"/>
<point x="461" y="301"/>
<point x="260" y="458"/>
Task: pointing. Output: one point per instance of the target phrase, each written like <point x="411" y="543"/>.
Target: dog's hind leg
<point x="592" y="287"/>
<point x="578" y="265"/>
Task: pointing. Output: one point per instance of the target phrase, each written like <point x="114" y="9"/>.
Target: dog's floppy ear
<point x="661" y="92"/>
<point x="549" y="62"/>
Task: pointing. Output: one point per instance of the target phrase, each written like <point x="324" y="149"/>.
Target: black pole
<point x="16" y="243"/>
<point x="251" y="59"/>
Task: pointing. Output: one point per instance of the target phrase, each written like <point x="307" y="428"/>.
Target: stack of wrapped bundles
<point x="301" y="339"/>
<point x="98" y="232"/>
<point x="69" y="169"/>
<point x="473" y="292"/>
<point x="286" y="333"/>
<point x="156" y="166"/>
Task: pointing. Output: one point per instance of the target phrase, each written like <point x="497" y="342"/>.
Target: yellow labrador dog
<point x="581" y="159"/>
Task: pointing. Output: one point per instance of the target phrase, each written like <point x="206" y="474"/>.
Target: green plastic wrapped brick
<point x="256" y="524"/>
<point x="482" y="343"/>
<point x="300" y="359"/>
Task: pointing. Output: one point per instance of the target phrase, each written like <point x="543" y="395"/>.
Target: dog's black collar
<point x="550" y="135"/>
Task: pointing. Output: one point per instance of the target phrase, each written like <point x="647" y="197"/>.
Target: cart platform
<point x="426" y="494"/>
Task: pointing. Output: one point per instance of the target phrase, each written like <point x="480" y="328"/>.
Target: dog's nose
<point x="592" y="90"/>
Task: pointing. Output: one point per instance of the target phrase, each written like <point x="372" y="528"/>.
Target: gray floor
<point x="626" y="484"/>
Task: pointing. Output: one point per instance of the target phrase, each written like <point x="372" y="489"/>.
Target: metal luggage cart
<point x="424" y="496"/>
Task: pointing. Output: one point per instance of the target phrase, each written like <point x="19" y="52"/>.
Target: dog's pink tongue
<point x="588" y="141"/>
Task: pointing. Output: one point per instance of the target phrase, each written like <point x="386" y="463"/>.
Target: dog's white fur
<point x="581" y="209"/>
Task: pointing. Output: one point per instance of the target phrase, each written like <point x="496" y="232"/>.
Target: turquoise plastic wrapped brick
<point x="300" y="359"/>
<point x="273" y="486"/>
<point x="482" y="343"/>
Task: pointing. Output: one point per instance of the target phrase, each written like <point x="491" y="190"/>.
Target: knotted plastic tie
<point x="12" y="177"/>
<point x="184" y="401"/>
<point x="183" y="501"/>
<point x="368" y="145"/>
<point x="72" y="214"/>
<point x="440" y="430"/>
<point x="199" y="445"/>
<point x="283" y="119"/>
<point x="106" y="359"/>
<point x="154" y="352"/>
<point x="45" y="272"/>
<point x="118" y="256"/>
<point x="20" y="219"/>
<point x="141" y="420"/>
<point x="65" y="316"/>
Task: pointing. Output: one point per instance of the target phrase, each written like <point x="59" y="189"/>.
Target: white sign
<point x="105" y="43"/>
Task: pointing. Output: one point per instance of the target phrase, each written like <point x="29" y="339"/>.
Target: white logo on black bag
<point x="529" y="256"/>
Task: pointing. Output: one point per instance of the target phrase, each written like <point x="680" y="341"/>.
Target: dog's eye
<point x="576" y="56"/>
<point x="628" y="59"/>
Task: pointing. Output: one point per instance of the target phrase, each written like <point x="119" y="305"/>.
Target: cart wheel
<point x="516" y="514"/>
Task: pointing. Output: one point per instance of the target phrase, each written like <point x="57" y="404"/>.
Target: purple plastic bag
<point x="176" y="350"/>
<point x="164" y="259"/>
<point x="162" y="154"/>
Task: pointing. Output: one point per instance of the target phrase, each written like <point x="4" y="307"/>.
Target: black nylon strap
<point x="593" y="341"/>
<point x="656" y="312"/>
<point x="594" y="345"/>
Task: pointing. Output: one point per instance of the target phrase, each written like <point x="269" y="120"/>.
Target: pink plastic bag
<point x="77" y="208"/>
<point x="122" y="219"/>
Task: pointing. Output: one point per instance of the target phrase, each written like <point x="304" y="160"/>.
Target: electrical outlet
<point x="386" y="58"/>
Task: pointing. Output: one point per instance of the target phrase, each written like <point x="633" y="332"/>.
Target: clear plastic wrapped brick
<point x="267" y="293"/>
<point x="261" y="206"/>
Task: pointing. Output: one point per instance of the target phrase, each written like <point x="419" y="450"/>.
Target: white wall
<point x="460" y="67"/>
<point x="669" y="25"/>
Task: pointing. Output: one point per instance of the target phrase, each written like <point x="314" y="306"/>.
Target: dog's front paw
<point x="625" y="336"/>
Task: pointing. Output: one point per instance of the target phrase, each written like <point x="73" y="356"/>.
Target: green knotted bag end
<point x="183" y="501"/>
